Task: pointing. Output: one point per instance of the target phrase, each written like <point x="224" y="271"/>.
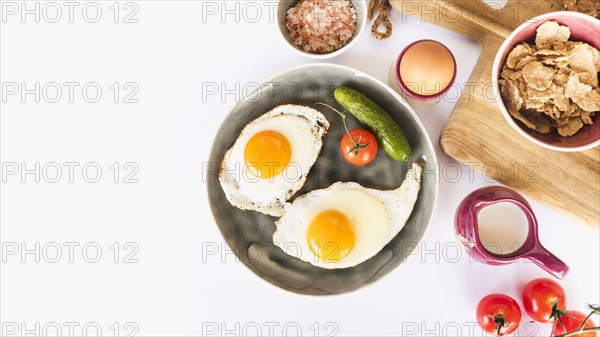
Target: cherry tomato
<point x="573" y="322"/>
<point x="361" y="149"/>
<point x="539" y="297"/>
<point x="498" y="314"/>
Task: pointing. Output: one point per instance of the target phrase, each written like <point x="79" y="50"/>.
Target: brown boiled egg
<point x="427" y="68"/>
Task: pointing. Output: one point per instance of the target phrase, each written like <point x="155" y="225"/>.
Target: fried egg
<point x="271" y="158"/>
<point x="346" y="224"/>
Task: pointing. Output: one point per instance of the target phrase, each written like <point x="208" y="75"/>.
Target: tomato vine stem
<point x="557" y="313"/>
<point x="579" y="331"/>
<point x="356" y="145"/>
<point x="500" y="322"/>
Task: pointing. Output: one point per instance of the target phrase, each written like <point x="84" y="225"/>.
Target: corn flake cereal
<point x="552" y="85"/>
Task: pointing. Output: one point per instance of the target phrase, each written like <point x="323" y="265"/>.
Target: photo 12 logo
<point x="69" y="329"/>
<point x="69" y="252"/>
<point x="69" y="172"/>
<point x="269" y="329"/>
<point x="69" y="12"/>
<point x="239" y="11"/>
<point x="466" y="11"/>
<point x="453" y="329"/>
<point x="271" y="91"/>
<point x="69" y="92"/>
<point x="451" y="172"/>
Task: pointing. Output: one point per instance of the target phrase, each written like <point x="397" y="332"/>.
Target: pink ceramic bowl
<point x="583" y="28"/>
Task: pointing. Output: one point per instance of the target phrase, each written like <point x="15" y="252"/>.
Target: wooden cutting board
<point x="476" y="132"/>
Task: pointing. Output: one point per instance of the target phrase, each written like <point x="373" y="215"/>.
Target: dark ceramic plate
<point x="250" y="233"/>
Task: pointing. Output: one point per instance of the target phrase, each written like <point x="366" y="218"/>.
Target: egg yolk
<point x="331" y="236"/>
<point x="267" y="153"/>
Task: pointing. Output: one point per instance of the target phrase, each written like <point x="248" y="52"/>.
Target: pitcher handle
<point x="549" y="262"/>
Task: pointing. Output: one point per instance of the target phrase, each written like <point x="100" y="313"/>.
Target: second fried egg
<point x="346" y="224"/>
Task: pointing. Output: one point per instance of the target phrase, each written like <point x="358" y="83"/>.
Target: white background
<point x="172" y="54"/>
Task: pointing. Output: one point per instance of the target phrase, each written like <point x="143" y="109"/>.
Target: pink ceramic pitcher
<point x="467" y="231"/>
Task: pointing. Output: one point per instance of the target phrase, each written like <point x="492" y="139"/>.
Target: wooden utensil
<point x="476" y="132"/>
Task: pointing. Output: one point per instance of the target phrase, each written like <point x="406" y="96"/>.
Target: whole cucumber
<point x="388" y="132"/>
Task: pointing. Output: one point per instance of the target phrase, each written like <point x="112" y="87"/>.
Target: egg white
<point x="377" y="217"/>
<point x="304" y="128"/>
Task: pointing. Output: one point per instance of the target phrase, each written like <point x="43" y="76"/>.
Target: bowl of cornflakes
<point x="546" y="76"/>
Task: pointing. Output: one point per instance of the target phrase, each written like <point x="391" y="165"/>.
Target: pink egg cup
<point x="583" y="28"/>
<point x="403" y="88"/>
<point x="467" y="231"/>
